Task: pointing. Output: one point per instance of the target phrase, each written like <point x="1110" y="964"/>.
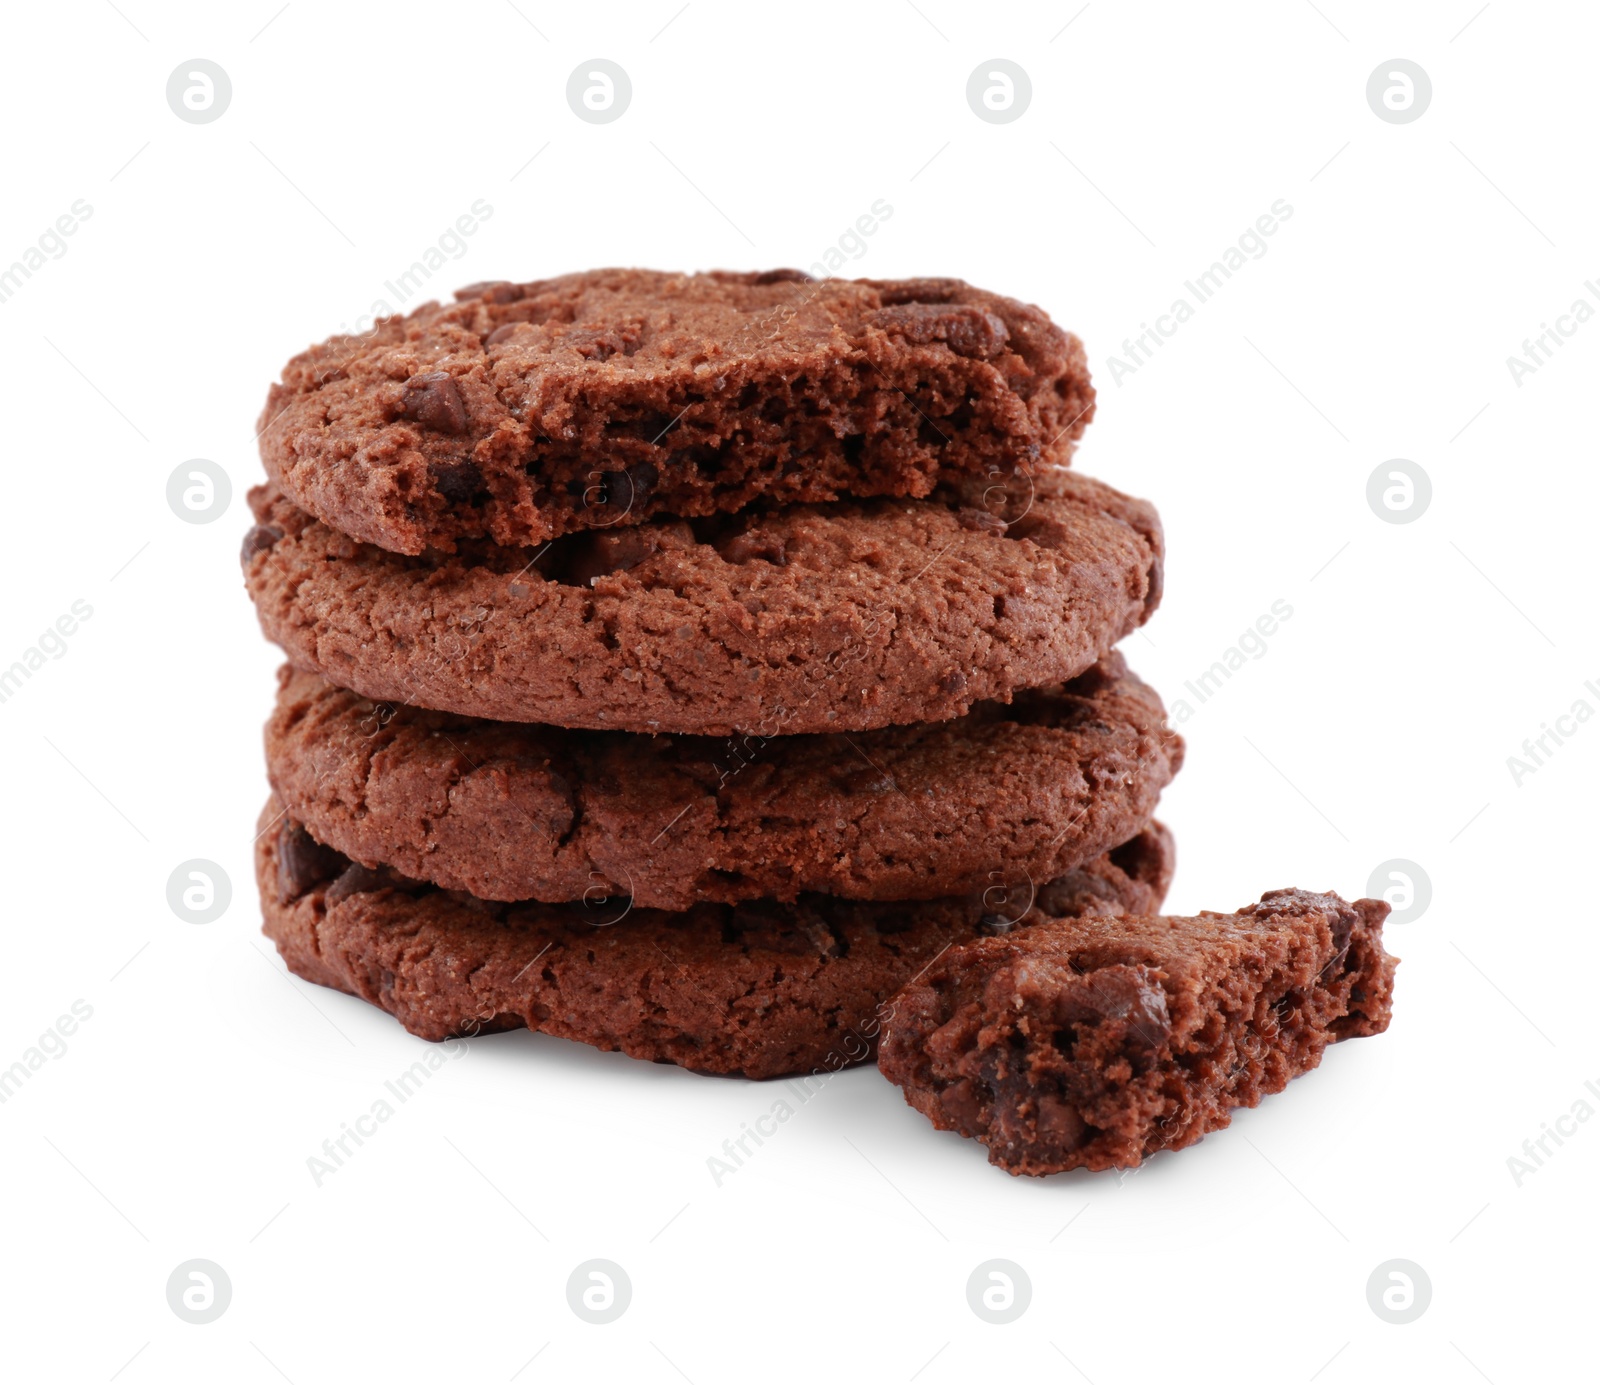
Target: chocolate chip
<point x="1127" y="998"/>
<point x="953" y="682"/>
<point x="782" y="276"/>
<point x="600" y="552"/>
<point x="434" y="400"/>
<point x="613" y="489"/>
<point x="460" y="483"/>
<point x="501" y="333"/>
<point x="995" y="925"/>
<point x="965" y="329"/>
<point x="303" y="861"/>
<point x="753" y="546"/>
<point x="643" y="478"/>
<point x="356" y="879"/>
<point x="260" y="538"/>
<point x="1342" y="926"/>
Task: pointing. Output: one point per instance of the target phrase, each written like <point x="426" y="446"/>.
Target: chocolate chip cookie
<point x="526" y="411"/>
<point x="840" y="617"/>
<point x="1094" y="1044"/>
<point x="512" y="811"/>
<point x="762" y="989"/>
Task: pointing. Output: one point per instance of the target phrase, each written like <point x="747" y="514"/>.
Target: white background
<point x="1377" y="725"/>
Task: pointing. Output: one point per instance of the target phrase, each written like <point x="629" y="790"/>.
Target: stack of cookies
<point x="689" y="664"/>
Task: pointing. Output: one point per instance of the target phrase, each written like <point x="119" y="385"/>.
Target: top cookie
<point x="526" y="411"/>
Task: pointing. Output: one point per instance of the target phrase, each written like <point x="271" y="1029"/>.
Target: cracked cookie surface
<point x="525" y="411"/>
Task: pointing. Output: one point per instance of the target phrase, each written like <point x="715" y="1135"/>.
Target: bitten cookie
<point x="514" y="811"/>
<point x="840" y="617"/>
<point x="760" y="989"/>
<point x="1094" y="1045"/>
<point x="525" y="411"/>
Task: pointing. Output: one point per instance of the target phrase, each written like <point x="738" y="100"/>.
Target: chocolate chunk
<point x="1340" y="924"/>
<point x="259" y="539"/>
<point x="617" y="491"/>
<point x="965" y="329"/>
<point x="611" y="490"/>
<point x="995" y="925"/>
<point x="1341" y="928"/>
<point x="601" y="552"/>
<point x="1128" y="998"/>
<point x="303" y="861"/>
<point x="643" y="478"/>
<point x="502" y="333"/>
<point x="460" y="483"/>
<point x="355" y="879"/>
<point x="782" y="276"/>
<point x="434" y="400"/>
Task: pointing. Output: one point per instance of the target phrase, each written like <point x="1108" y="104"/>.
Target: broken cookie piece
<point x="1095" y="1042"/>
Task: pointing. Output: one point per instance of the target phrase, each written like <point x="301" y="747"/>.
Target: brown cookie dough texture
<point x="1094" y="1044"/>
<point x="512" y="811"/>
<point x="762" y="989"/>
<point x="841" y="617"/>
<point x="526" y="411"/>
